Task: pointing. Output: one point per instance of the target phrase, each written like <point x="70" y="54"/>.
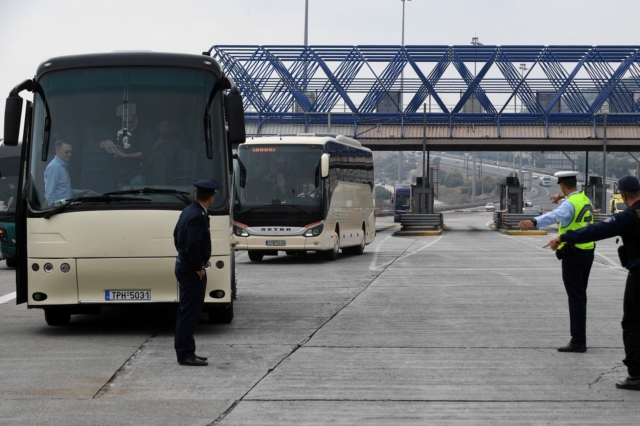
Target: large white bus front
<point x="113" y="145"/>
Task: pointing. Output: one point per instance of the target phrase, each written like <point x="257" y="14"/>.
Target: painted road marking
<point x="7" y="297"/>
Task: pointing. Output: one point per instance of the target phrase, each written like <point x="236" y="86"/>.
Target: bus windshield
<point x="281" y="175"/>
<point x="117" y="130"/>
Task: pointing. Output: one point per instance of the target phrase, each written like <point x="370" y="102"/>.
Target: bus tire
<point x="57" y="317"/>
<point x="11" y="263"/>
<point x="255" y="256"/>
<point x="221" y="314"/>
<point x="359" y="249"/>
<point x="333" y="253"/>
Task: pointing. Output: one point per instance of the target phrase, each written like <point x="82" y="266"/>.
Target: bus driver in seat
<point x="57" y="183"/>
<point x="305" y="192"/>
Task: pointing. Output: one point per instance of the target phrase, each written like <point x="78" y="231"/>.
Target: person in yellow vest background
<point x="574" y="213"/>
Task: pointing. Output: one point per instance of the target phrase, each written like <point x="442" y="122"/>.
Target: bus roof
<point x="130" y="59"/>
<point x="306" y="139"/>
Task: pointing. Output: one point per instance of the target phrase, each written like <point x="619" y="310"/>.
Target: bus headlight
<point x="240" y="231"/>
<point x="314" y="231"/>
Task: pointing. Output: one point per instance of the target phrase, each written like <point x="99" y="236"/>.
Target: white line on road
<point x="7" y="297"/>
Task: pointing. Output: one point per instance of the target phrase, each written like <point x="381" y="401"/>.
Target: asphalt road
<point x="456" y="329"/>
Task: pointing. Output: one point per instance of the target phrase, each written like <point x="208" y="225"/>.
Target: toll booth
<point x="422" y="200"/>
<point x="511" y="196"/>
<point x="594" y="190"/>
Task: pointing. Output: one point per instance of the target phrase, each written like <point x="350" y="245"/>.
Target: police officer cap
<point x="566" y="174"/>
<point x="629" y="184"/>
<point x="208" y="185"/>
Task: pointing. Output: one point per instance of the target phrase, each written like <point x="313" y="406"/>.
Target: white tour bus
<point x="100" y="232"/>
<point x="303" y="193"/>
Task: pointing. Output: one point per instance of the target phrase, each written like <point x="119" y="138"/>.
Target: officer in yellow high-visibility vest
<point x="574" y="213"/>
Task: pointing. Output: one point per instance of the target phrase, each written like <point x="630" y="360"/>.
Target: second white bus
<point x="303" y="193"/>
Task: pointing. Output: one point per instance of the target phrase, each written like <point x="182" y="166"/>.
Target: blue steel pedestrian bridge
<point x="488" y="97"/>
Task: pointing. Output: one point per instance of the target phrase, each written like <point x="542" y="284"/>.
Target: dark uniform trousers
<point x="575" y="275"/>
<point x="192" y="292"/>
<point x="631" y="323"/>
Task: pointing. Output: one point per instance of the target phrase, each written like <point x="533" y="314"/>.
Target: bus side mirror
<point x="324" y="166"/>
<point x="12" y="118"/>
<point x="13" y="113"/>
<point x="234" y="113"/>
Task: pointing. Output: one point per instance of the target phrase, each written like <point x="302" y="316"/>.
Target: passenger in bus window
<point x="127" y="149"/>
<point x="11" y="192"/>
<point x="276" y="176"/>
<point x="161" y="156"/>
<point x="306" y="193"/>
<point x="57" y="183"/>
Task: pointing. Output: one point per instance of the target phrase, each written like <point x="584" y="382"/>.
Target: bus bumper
<point x="88" y="280"/>
<point x="298" y="242"/>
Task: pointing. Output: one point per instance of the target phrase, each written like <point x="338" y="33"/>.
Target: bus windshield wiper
<point x="95" y="199"/>
<point x="267" y="206"/>
<point x="147" y="190"/>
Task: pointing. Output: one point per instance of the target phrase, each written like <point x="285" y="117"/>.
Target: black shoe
<point x="629" y="383"/>
<point x="193" y="362"/>
<point x="573" y="348"/>
<point x="201" y="358"/>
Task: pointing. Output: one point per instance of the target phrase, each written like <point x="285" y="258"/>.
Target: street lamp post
<point x="476" y="42"/>
<point x="401" y="93"/>
<point x="523" y="68"/>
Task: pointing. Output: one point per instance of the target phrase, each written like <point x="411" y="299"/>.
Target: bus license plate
<point x="279" y="243"/>
<point x="127" y="295"/>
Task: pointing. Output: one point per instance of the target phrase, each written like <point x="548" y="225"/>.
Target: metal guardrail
<point x="600" y="217"/>
<point x="418" y="221"/>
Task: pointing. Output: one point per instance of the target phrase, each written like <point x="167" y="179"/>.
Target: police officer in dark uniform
<point x="627" y="225"/>
<point x="193" y="242"/>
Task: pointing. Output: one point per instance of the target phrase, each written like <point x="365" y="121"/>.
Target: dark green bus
<point x="9" y="166"/>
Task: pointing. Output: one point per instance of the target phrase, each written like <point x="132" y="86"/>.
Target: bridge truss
<point x="550" y="97"/>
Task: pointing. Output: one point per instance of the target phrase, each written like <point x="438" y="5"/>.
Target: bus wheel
<point x="255" y="256"/>
<point x="11" y="263"/>
<point x="333" y="253"/>
<point x="221" y="315"/>
<point x="359" y="249"/>
<point x="57" y="316"/>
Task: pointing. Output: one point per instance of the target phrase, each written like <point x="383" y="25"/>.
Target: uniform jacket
<point x="192" y="237"/>
<point x="620" y="224"/>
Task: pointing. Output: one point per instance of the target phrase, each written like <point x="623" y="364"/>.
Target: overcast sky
<point x="34" y="30"/>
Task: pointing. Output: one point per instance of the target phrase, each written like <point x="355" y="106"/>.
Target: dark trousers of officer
<point x="192" y="291"/>
<point x="575" y="275"/>
<point x="631" y="323"/>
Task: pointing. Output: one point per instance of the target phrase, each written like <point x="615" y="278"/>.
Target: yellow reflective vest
<point x="582" y="216"/>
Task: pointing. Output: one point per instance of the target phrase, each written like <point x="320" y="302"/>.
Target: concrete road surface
<point x="456" y="329"/>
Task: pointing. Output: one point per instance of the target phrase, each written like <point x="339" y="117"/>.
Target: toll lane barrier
<point x="510" y="221"/>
